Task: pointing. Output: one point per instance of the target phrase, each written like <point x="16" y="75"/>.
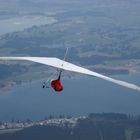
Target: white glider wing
<point x="58" y="63"/>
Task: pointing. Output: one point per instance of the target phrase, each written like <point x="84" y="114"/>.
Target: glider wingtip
<point x="138" y="89"/>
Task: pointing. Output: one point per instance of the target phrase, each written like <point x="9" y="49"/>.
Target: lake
<point x="81" y="95"/>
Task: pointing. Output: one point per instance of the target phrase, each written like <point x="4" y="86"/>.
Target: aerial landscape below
<point x="102" y="36"/>
<point x="98" y="39"/>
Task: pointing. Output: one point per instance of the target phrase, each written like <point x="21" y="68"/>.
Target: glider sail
<point x="58" y="63"/>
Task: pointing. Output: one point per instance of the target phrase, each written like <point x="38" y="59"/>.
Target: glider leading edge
<point x="63" y="65"/>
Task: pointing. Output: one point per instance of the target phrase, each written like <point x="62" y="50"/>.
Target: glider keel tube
<point x="58" y="63"/>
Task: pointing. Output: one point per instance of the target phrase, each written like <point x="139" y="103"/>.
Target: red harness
<point x="56" y="85"/>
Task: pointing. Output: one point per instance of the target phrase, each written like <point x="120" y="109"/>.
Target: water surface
<point x="81" y="96"/>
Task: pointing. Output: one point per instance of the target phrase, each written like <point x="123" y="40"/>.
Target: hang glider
<point x="61" y="64"/>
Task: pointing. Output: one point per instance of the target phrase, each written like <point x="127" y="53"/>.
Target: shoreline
<point x="9" y="84"/>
